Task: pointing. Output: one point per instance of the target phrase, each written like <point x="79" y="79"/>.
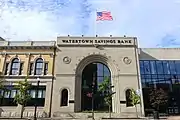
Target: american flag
<point x="104" y="15"/>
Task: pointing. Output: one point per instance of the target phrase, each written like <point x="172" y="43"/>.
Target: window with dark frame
<point x="40" y="100"/>
<point x="7" y="98"/>
<point x="39" y="66"/>
<point x="15" y="66"/>
<point x="128" y="98"/>
<point x="64" y="97"/>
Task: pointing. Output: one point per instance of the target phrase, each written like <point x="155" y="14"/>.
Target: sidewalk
<point x="174" y="118"/>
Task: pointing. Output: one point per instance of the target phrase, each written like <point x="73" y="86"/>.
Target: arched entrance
<point x="93" y="74"/>
<point x="94" y="58"/>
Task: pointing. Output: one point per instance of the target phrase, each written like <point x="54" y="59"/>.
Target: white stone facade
<point x="120" y="55"/>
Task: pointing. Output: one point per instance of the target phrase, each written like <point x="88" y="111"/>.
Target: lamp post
<point x="93" y="85"/>
<point x="36" y="96"/>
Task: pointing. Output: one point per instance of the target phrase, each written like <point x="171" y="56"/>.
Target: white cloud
<point x="149" y="20"/>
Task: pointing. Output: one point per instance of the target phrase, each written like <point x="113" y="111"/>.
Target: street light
<point x="93" y="85"/>
<point x="36" y="96"/>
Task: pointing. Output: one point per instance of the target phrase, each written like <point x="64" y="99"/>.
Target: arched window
<point x="15" y="66"/>
<point x="128" y="98"/>
<point x="38" y="66"/>
<point x="64" y="97"/>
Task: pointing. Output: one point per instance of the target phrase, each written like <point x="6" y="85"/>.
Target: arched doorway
<point x="93" y="74"/>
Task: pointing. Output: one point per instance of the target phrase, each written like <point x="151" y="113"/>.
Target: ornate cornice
<point x="27" y="53"/>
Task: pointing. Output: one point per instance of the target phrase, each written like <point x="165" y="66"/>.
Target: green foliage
<point x="105" y="89"/>
<point x="1" y="83"/>
<point x="135" y="98"/>
<point x="22" y="97"/>
<point x="158" y="97"/>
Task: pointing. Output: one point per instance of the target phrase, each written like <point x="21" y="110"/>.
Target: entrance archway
<point x="78" y="79"/>
<point x="93" y="74"/>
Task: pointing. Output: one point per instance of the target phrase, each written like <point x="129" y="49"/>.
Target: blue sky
<point x="156" y="23"/>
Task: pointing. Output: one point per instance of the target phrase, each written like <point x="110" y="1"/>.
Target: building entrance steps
<point x="85" y="116"/>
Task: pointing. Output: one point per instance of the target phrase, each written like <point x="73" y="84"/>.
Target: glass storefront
<point x="7" y="96"/>
<point x="164" y="74"/>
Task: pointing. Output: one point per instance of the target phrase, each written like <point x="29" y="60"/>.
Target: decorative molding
<point x="3" y="55"/>
<point x="22" y="53"/>
<point x="127" y="60"/>
<point x="51" y="55"/>
<point x="27" y="54"/>
<point x="64" y="75"/>
<point x="66" y="60"/>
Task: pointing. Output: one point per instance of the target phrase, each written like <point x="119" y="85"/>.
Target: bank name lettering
<point x="98" y="41"/>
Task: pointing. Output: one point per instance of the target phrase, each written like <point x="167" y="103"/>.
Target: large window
<point x="15" y="66"/>
<point x="93" y="75"/>
<point x="40" y="100"/>
<point x="7" y="96"/>
<point x="39" y="66"/>
<point x="163" y="74"/>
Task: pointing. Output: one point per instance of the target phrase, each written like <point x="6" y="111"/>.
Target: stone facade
<point x="120" y="54"/>
<point x="67" y="58"/>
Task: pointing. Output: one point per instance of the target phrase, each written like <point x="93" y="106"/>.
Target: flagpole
<point x="93" y="82"/>
<point x="95" y="24"/>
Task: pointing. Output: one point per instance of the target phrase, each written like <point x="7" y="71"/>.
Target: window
<point x="166" y="67"/>
<point x="7" y="97"/>
<point x="6" y="68"/>
<point x="141" y="67"/>
<point x="15" y="65"/>
<point x="39" y="66"/>
<point x="172" y="67"/>
<point x="163" y="74"/>
<point x="31" y="68"/>
<point x="177" y="65"/>
<point x="128" y="98"/>
<point x="45" y="68"/>
<point x="64" y="97"/>
<point x="40" y="100"/>
<point x="13" y="93"/>
<point x="159" y="67"/>
<point x="33" y="93"/>
<point x="147" y="67"/>
<point x="153" y="67"/>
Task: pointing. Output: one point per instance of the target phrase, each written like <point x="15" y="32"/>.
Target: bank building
<point x="62" y="71"/>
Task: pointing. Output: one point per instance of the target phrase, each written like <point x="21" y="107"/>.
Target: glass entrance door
<point x="93" y="73"/>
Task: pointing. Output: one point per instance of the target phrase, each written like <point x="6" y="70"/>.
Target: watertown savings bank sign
<point x="96" y="41"/>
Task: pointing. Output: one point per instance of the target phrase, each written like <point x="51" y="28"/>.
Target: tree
<point x="135" y="99"/>
<point x="158" y="97"/>
<point x="22" y="97"/>
<point x="1" y="83"/>
<point x="105" y="88"/>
